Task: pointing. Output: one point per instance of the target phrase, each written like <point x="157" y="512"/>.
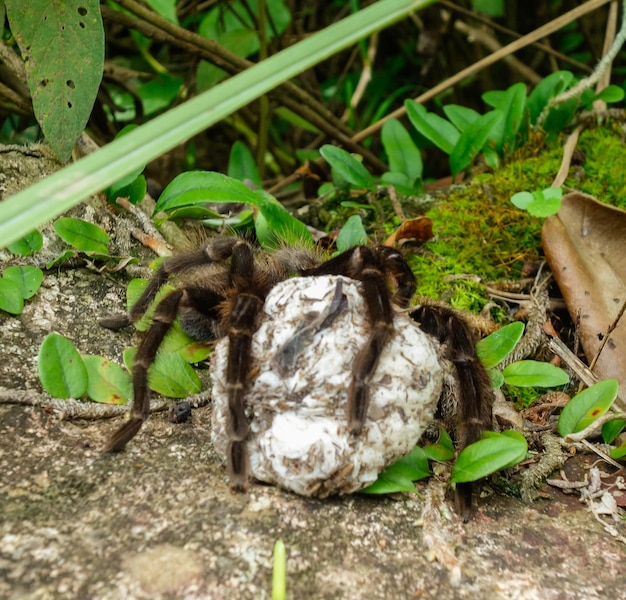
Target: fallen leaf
<point x="584" y="246"/>
<point x="419" y="229"/>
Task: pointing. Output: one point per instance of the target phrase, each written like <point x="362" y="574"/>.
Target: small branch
<point x="77" y="409"/>
<point x="489" y="42"/>
<point x="568" y="152"/>
<point x="584" y="84"/>
<point x="582" y="371"/>
<point x="592" y="429"/>
<point x="522" y="42"/>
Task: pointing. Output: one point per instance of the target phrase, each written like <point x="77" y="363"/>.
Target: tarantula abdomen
<point x="311" y="331"/>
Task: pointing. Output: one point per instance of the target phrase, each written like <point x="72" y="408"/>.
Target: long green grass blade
<point x="45" y="200"/>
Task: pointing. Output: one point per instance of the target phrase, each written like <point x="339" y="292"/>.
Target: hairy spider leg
<point x="249" y="287"/>
<point x="475" y="398"/>
<point x="370" y="266"/>
<point x="217" y="250"/>
<point x="201" y="301"/>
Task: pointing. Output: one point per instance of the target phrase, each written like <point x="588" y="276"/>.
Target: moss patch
<point x="479" y="232"/>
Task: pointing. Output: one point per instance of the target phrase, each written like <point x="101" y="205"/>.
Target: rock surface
<point x="159" y="521"/>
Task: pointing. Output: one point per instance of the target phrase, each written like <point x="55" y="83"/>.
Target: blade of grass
<point x="45" y="200"/>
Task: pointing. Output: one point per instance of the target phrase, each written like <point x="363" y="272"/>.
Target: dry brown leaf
<point x="585" y="246"/>
<point x="419" y="229"/>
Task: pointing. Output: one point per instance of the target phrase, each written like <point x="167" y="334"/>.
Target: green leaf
<point x="491" y="8"/>
<point x="539" y="203"/>
<point x="522" y="200"/>
<point x="61" y="368"/>
<point x="178" y="341"/>
<point x="28" y="245"/>
<point x="546" y="89"/>
<point x="107" y="381"/>
<point x="460" y="116"/>
<point x="82" y="235"/>
<point x="612" y="429"/>
<point x="512" y="106"/>
<point x="584" y="408"/>
<point x="404" y="156"/>
<point x="62" y="44"/>
<point x="533" y="373"/>
<point x="27" y="278"/>
<point x="197" y="188"/>
<point x="169" y="375"/>
<point x="399" y="477"/>
<point x="493" y="349"/>
<point x="348" y="167"/>
<point x="242" y="166"/>
<point x="496" y="452"/>
<point x="433" y="127"/>
<point x="443" y="450"/>
<point x="351" y="234"/>
<point x="611" y="94"/>
<point x="166" y="8"/>
<point x="11" y="299"/>
<point x="472" y="140"/>
<point x="619" y="452"/>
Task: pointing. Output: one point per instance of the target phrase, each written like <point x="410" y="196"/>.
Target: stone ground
<point x="159" y="521"/>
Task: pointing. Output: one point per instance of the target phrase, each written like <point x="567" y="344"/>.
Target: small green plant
<point x="18" y="284"/>
<point x="279" y="571"/>
<point x="540" y="203"/>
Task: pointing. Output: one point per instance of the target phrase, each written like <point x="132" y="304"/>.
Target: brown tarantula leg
<point x="475" y="398"/>
<point x="163" y="318"/>
<point x="246" y="305"/>
<point x="214" y="251"/>
<point x="370" y="266"/>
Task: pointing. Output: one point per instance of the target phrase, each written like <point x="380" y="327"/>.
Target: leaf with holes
<point x="496" y="451"/>
<point x="63" y="46"/>
<point x="108" y="382"/>
<point x="11" y="299"/>
<point x="27" y="278"/>
<point x="82" y="235"/>
<point x="584" y="408"/>
<point x="61" y="368"/>
<point x="498" y="345"/>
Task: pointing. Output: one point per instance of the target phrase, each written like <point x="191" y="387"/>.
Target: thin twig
<point x="489" y="42"/>
<point x="568" y="152"/>
<point x="607" y="334"/>
<point x="77" y="409"/>
<point x="522" y="42"/>
<point x="584" y="84"/>
<point x="582" y="371"/>
<point x="609" y="39"/>
<point x="496" y="26"/>
<point x="593" y="429"/>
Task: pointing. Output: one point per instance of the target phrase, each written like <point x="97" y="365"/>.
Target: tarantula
<point x="222" y="291"/>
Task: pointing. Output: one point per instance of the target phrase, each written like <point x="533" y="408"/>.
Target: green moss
<point x="478" y="231"/>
